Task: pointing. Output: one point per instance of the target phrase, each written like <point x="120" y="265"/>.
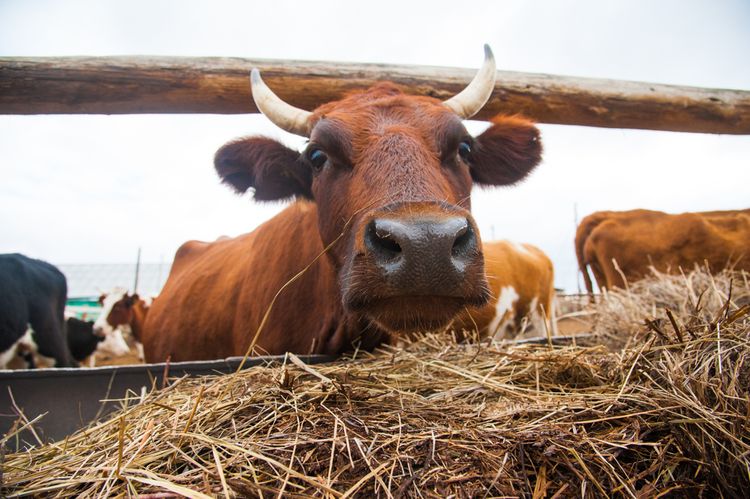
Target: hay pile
<point x="694" y="300"/>
<point x="670" y="413"/>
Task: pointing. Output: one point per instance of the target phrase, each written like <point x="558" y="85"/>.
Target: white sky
<point x="92" y="189"/>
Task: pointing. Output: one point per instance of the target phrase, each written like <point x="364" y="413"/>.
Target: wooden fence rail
<point x="143" y="84"/>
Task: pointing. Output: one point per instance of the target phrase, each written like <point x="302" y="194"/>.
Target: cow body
<point x="32" y="304"/>
<point x="620" y="247"/>
<point x="306" y="317"/>
<point x="521" y="277"/>
<point x="379" y="242"/>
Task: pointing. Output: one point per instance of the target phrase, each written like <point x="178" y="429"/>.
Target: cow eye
<point x="464" y="150"/>
<point x="318" y="158"/>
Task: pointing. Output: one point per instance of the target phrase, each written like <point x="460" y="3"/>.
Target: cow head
<point x="391" y="175"/>
<point x="116" y="314"/>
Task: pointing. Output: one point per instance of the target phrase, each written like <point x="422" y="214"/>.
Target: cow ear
<point x="506" y="152"/>
<point x="273" y="170"/>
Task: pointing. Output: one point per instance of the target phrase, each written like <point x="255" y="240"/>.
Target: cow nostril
<point x="386" y="242"/>
<point x="464" y="241"/>
<point x="382" y="242"/>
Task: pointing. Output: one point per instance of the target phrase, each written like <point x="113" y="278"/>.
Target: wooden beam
<point x="143" y="84"/>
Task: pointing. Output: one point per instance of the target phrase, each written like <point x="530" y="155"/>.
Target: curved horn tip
<point x="472" y="98"/>
<point x="255" y="76"/>
<point x="282" y="114"/>
<point x="488" y="55"/>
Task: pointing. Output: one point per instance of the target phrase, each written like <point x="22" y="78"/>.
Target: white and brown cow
<point x="123" y="314"/>
<point x="521" y="278"/>
<point x="113" y="321"/>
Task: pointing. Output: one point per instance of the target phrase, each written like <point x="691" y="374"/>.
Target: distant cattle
<point x="32" y="303"/>
<point x="23" y="354"/>
<point x="380" y="241"/>
<point x="81" y="338"/>
<point x="521" y="278"/>
<point x="621" y="246"/>
<point x="121" y="313"/>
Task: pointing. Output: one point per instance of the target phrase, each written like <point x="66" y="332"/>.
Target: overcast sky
<point x="92" y="189"/>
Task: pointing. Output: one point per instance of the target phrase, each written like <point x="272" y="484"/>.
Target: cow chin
<point x="413" y="314"/>
<point x="409" y="314"/>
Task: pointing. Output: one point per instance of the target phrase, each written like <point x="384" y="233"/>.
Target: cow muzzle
<point x="416" y="268"/>
<point x="421" y="256"/>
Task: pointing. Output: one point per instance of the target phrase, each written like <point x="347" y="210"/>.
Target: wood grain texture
<point x="144" y="84"/>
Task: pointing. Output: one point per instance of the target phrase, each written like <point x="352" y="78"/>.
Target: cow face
<point x="391" y="175"/>
<point x="116" y="314"/>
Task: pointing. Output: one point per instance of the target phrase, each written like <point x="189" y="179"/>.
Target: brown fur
<point x="130" y="310"/>
<point x="216" y="298"/>
<point x="388" y="155"/>
<point x="530" y="273"/>
<point x="640" y="239"/>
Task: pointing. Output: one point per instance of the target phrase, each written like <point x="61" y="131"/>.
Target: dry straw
<point x="667" y="413"/>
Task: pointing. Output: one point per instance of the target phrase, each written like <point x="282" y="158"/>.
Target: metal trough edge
<point x="71" y="398"/>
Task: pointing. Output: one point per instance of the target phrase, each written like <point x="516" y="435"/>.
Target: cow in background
<point x="122" y="313"/>
<point x="33" y="294"/>
<point x="621" y="246"/>
<point x="81" y="338"/>
<point x="521" y="277"/>
<point x="24" y="354"/>
<point x="380" y="241"/>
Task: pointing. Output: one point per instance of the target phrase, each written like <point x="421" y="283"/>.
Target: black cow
<point x="82" y="340"/>
<point x="32" y="294"/>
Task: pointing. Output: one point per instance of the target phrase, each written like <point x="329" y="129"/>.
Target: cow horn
<point x="471" y="99"/>
<point x="281" y="114"/>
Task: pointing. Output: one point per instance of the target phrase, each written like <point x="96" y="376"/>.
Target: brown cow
<point x="122" y="313"/>
<point x="639" y="239"/>
<point x="380" y="240"/>
<point x="521" y="278"/>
